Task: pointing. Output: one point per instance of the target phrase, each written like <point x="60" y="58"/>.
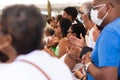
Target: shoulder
<point x="47" y="63"/>
<point x="64" y="41"/>
<point x="114" y="26"/>
<point x="112" y="30"/>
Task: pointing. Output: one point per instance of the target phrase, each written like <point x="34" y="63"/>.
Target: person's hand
<point x="53" y="42"/>
<point x="86" y="58"/>
<point x="78" y="74"/>
<point x="73" y="52"/>
<point x="49" y="51"/>
<point x="76" y="41"/>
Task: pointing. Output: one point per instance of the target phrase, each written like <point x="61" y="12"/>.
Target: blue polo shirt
<point x="107" y="49"/>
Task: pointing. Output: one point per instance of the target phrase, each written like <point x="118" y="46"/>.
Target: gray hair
<point x="86" y="7"/>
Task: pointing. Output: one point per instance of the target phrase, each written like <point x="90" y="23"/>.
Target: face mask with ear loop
<point x="94" y="15"/>
<point x="85" y="12"/>
<point x="79" y="18"/>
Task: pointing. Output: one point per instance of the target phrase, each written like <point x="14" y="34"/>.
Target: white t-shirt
<point x="89" y="39"/>
<point x="19" y="70"/>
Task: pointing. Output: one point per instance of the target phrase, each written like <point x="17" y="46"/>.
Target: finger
<point x="83" y="57"/>
<point x="89" y="55"/>
<point x="81" y="36"/>
<point x="72" y="38"/>
<point x="67" y="49"/>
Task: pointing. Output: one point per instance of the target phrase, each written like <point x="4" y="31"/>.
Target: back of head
<point x="78" y="28"/>
<point x="50" y="31"/>
<point x="49" y="20"/>
<point x="71" y="11"/>
<point x="25" y="26"/>
<point x="85" y="50"/>
<point x="58" y="17"/>
<point x="65" y="25"/>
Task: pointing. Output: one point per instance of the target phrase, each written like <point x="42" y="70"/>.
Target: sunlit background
<point x="56" y="5"/>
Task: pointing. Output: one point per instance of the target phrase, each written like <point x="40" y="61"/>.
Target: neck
<point x="112" y="16"/>
<point x="115" y="13"/>
<point x="10" y="52"/>
<point x="115" y="17"/>
<point x="90" y="24"/>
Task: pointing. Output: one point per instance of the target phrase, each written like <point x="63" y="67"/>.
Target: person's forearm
<point x="94" y="71"/>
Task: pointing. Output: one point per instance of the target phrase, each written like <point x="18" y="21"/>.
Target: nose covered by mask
<point x="79" y="18"/>
<point x="94" y="15"/>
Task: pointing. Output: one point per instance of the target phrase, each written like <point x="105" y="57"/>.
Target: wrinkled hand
<point x="76" y="41"/>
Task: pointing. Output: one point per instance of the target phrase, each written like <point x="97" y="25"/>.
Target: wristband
<point x="87" y="65"/>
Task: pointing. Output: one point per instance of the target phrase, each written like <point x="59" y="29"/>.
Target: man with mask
<point x="104" y="63"/>
<point x="85" y="17"/>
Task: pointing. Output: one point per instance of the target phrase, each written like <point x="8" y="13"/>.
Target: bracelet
<point x="87" y="65"/>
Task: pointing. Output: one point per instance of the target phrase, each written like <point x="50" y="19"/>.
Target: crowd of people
<point x="79" y="44"/>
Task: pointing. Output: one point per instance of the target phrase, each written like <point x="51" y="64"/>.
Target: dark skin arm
<point x="62" y="46"/>
<point x="101" y="73"/>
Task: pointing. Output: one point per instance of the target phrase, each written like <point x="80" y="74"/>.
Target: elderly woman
<point x="23" y="26"/>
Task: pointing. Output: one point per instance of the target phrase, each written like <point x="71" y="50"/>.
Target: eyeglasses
<point x="81" y="12"/>
<point x="99" y="7"/>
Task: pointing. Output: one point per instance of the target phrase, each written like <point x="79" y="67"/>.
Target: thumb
<point x="67" y="49"/>
<point x="81" y="36"/>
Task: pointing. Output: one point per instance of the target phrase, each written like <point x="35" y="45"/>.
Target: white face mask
<point x="94" y="15"/>
<point x="79" y="18"/>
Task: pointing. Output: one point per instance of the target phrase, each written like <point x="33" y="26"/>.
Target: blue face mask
<point x="79" y="18"/>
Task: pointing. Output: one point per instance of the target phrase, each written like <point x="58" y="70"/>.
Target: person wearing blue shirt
<point x="104" y="61"/>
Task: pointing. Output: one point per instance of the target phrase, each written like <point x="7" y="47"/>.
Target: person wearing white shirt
<point x="20" y="70"/>
<point x="23" y="26"/>
<point x="88" y="23"/>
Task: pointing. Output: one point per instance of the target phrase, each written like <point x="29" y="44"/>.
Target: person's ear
<point x="85" y="17"/>
<point x="109" y="6"/>
<point x="8" y="39"/>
